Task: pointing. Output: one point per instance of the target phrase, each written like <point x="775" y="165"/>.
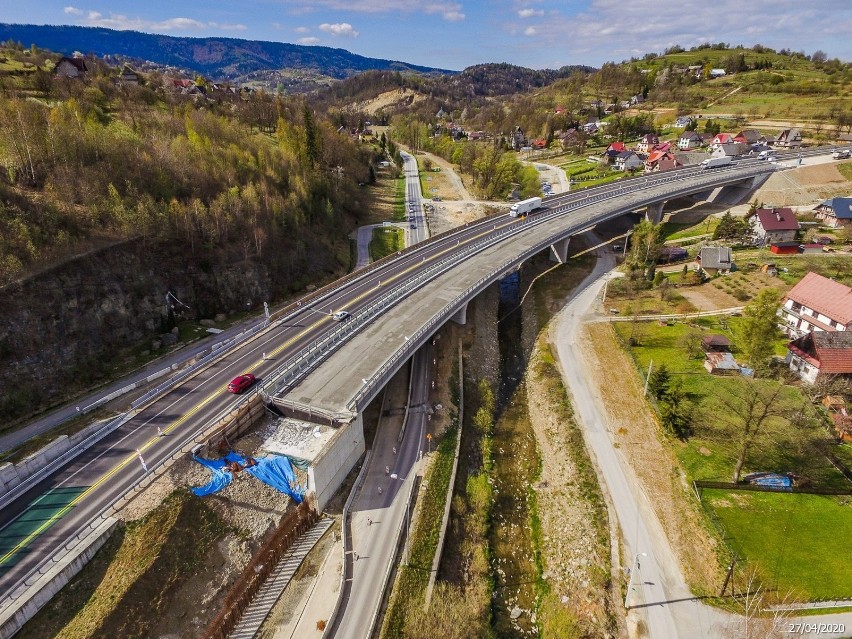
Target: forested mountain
<point x="216" y="58"/>
<point x="225" y="201"/>
<point x="506" y="79"/>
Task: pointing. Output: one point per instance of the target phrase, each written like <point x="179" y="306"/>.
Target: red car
<point x="239" y="384"/>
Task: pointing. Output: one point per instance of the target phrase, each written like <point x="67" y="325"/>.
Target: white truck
<point x="525" y="206"/>
<point x="713" y="163"/>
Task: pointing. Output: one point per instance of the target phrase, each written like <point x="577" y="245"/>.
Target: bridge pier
<point x="654" y="212"/>
<point x="559" y="250"/>
<point x="460" y="316"/>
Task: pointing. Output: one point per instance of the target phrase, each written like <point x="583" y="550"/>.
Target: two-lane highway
<point x="38" y="522"/>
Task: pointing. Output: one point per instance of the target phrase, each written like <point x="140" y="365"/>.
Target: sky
<point x="454" y="34"/>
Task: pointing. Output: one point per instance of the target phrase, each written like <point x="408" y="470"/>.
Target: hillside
<point x="113" y="196"/>
<point x="216" y="58"/>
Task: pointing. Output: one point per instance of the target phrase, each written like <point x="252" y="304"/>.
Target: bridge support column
<point x="654" y="213"/>
<point x="559" y="251"/>
<point x="460" y="316"/>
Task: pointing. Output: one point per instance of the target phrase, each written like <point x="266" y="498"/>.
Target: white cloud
<point x="124" y="23"/>
<point x="529" y="13"/>
<point x="301" y="30"/>
<point x="615" y="30"/>
<point x="530" y="31"/>
<point x="449" y="10"/>
<point x="308" y="40"/>
<point x="73" y="11"/>
<point x="339" y="29"/>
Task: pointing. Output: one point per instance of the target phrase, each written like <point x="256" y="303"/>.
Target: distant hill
<point x="216" y="58"/>
<point x="496" y="79"/>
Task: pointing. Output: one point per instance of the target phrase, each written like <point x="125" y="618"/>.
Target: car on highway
<point x="414" y="226"/>
<point x="340" y="316"/>
<point x="436" y="199"/>
<point x="239" y="384"/>
<point x="841" y="154"/>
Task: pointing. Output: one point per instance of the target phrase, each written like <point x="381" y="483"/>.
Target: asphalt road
<point x="378" y="517"/>
<point x="414" y="196"/>
<point x="39" y="521"/>
<point x="659" y="594"/>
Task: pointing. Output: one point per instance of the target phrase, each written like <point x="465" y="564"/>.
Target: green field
<point x="793" y="540"/>
<point x="674" y="231"/>
<point x="386" y="240"/>
<point x="711" y="451"/>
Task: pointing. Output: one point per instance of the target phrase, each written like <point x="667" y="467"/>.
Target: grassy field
<point x="711" y="452"/>
<point x="386" y="240"/>
<point x="674" y="231"/>
<point x="790" y="539"/>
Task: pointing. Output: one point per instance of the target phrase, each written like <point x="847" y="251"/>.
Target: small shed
<point x="715" y="344"/>
<point x="721" y="364"/>
<point x="785" y="248"/>
<point x="672" y="254"/>
<point x="811" y="248"/>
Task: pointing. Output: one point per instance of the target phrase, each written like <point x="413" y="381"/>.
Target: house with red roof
<point x="774" y="225"/>
<point x="821" y="354"/>
<point x="816" y="303"/>
<point x="659" y="160"/>
<point x="722" y="138"/>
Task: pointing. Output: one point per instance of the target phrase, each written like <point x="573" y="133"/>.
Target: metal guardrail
<point x="310" y="357"/>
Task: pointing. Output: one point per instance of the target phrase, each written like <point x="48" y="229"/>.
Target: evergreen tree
<point x="758" y="329"/>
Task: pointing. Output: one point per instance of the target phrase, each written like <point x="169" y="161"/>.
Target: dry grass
<point x="639" y="439"/>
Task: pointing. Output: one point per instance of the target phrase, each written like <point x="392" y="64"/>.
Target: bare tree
<point x="751" y="620"/>
<point x="751" y="406"/>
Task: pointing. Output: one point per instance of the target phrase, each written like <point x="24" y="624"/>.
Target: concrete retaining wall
<point x="326" y="473"/>
<point x="13" y="474"/>
<point x="28" y="603"/>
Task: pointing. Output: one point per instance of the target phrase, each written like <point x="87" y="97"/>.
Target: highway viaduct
<point x="345" y="373"/>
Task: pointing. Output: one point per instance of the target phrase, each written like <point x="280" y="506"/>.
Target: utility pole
<point x="647" y="379"/>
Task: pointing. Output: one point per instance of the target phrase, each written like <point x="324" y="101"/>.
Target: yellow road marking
<point x="61" y="513"/>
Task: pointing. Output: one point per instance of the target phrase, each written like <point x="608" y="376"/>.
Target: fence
<point x="698" y="485"/>
<point x="295" y="524"/>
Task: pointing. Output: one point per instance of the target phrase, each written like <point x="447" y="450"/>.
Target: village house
<point x="571" y="139"/>
<point x="835" y="212"/>
<point x="715" y="343"/>
<point x="721" y="363"/>
<point x="661" y="160"/>
<point x="732" y="149"/>
<point x="71" y="68"/>
<point x="628" y="161"/>
<point x="689" y="140"/>
<point x="789" y="139"/>
<point x="773" y="225"/>
<point x="683" y="121"/>
<point x="747" y="136"/>
<point x="518" y="138"/>
<point x="820" y="354"/>
<point x="648" y="140"/>
<point x="715" y="259"/>
<point x="816" y="303"/>
<point x="128" y="77"/>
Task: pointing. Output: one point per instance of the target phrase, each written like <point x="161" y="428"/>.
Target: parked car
<point x="340" y="316"/>
<point x="413" y="226"/>
<point x="239" y="384"/>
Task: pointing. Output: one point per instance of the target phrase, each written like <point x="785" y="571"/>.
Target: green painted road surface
<point x="41" y="515"/>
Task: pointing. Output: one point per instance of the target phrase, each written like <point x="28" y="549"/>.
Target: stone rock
<point x="516" y="612"/>
<point x="220" y="317"/>
<point x="207" y="322"/>
<point x="175" y="331"/>
<point x="310" y="288"/>
<point x="168" y="339"/>
<point x="156" y="345"/>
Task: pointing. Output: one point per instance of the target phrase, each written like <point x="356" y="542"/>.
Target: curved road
<point x="40" y="521"/>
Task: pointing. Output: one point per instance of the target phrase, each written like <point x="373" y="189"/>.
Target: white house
<point x="816" y="303"/>
<point x="774" y="225"/>
<point x="819" y="354"/>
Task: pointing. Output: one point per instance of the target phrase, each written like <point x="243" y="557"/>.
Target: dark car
<point x="239" y="384"/>
<point x="414" y="226"/>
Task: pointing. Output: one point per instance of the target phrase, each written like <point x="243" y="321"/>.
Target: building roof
<point x="829" y="351"/>
<point x="715" y="257"/>
<point x="715" y="341"/>
<point x="722" y="361"/>
<point x="777" y="219"/>
<point x="841" y="206"/>
<point x="80" y="63"/>
<point x="825" y="296"/>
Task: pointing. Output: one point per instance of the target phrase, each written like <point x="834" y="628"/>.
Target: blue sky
<point x="454" y="34"/>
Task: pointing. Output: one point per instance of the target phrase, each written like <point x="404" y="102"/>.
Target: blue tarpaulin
<point x="277" y="471"/>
